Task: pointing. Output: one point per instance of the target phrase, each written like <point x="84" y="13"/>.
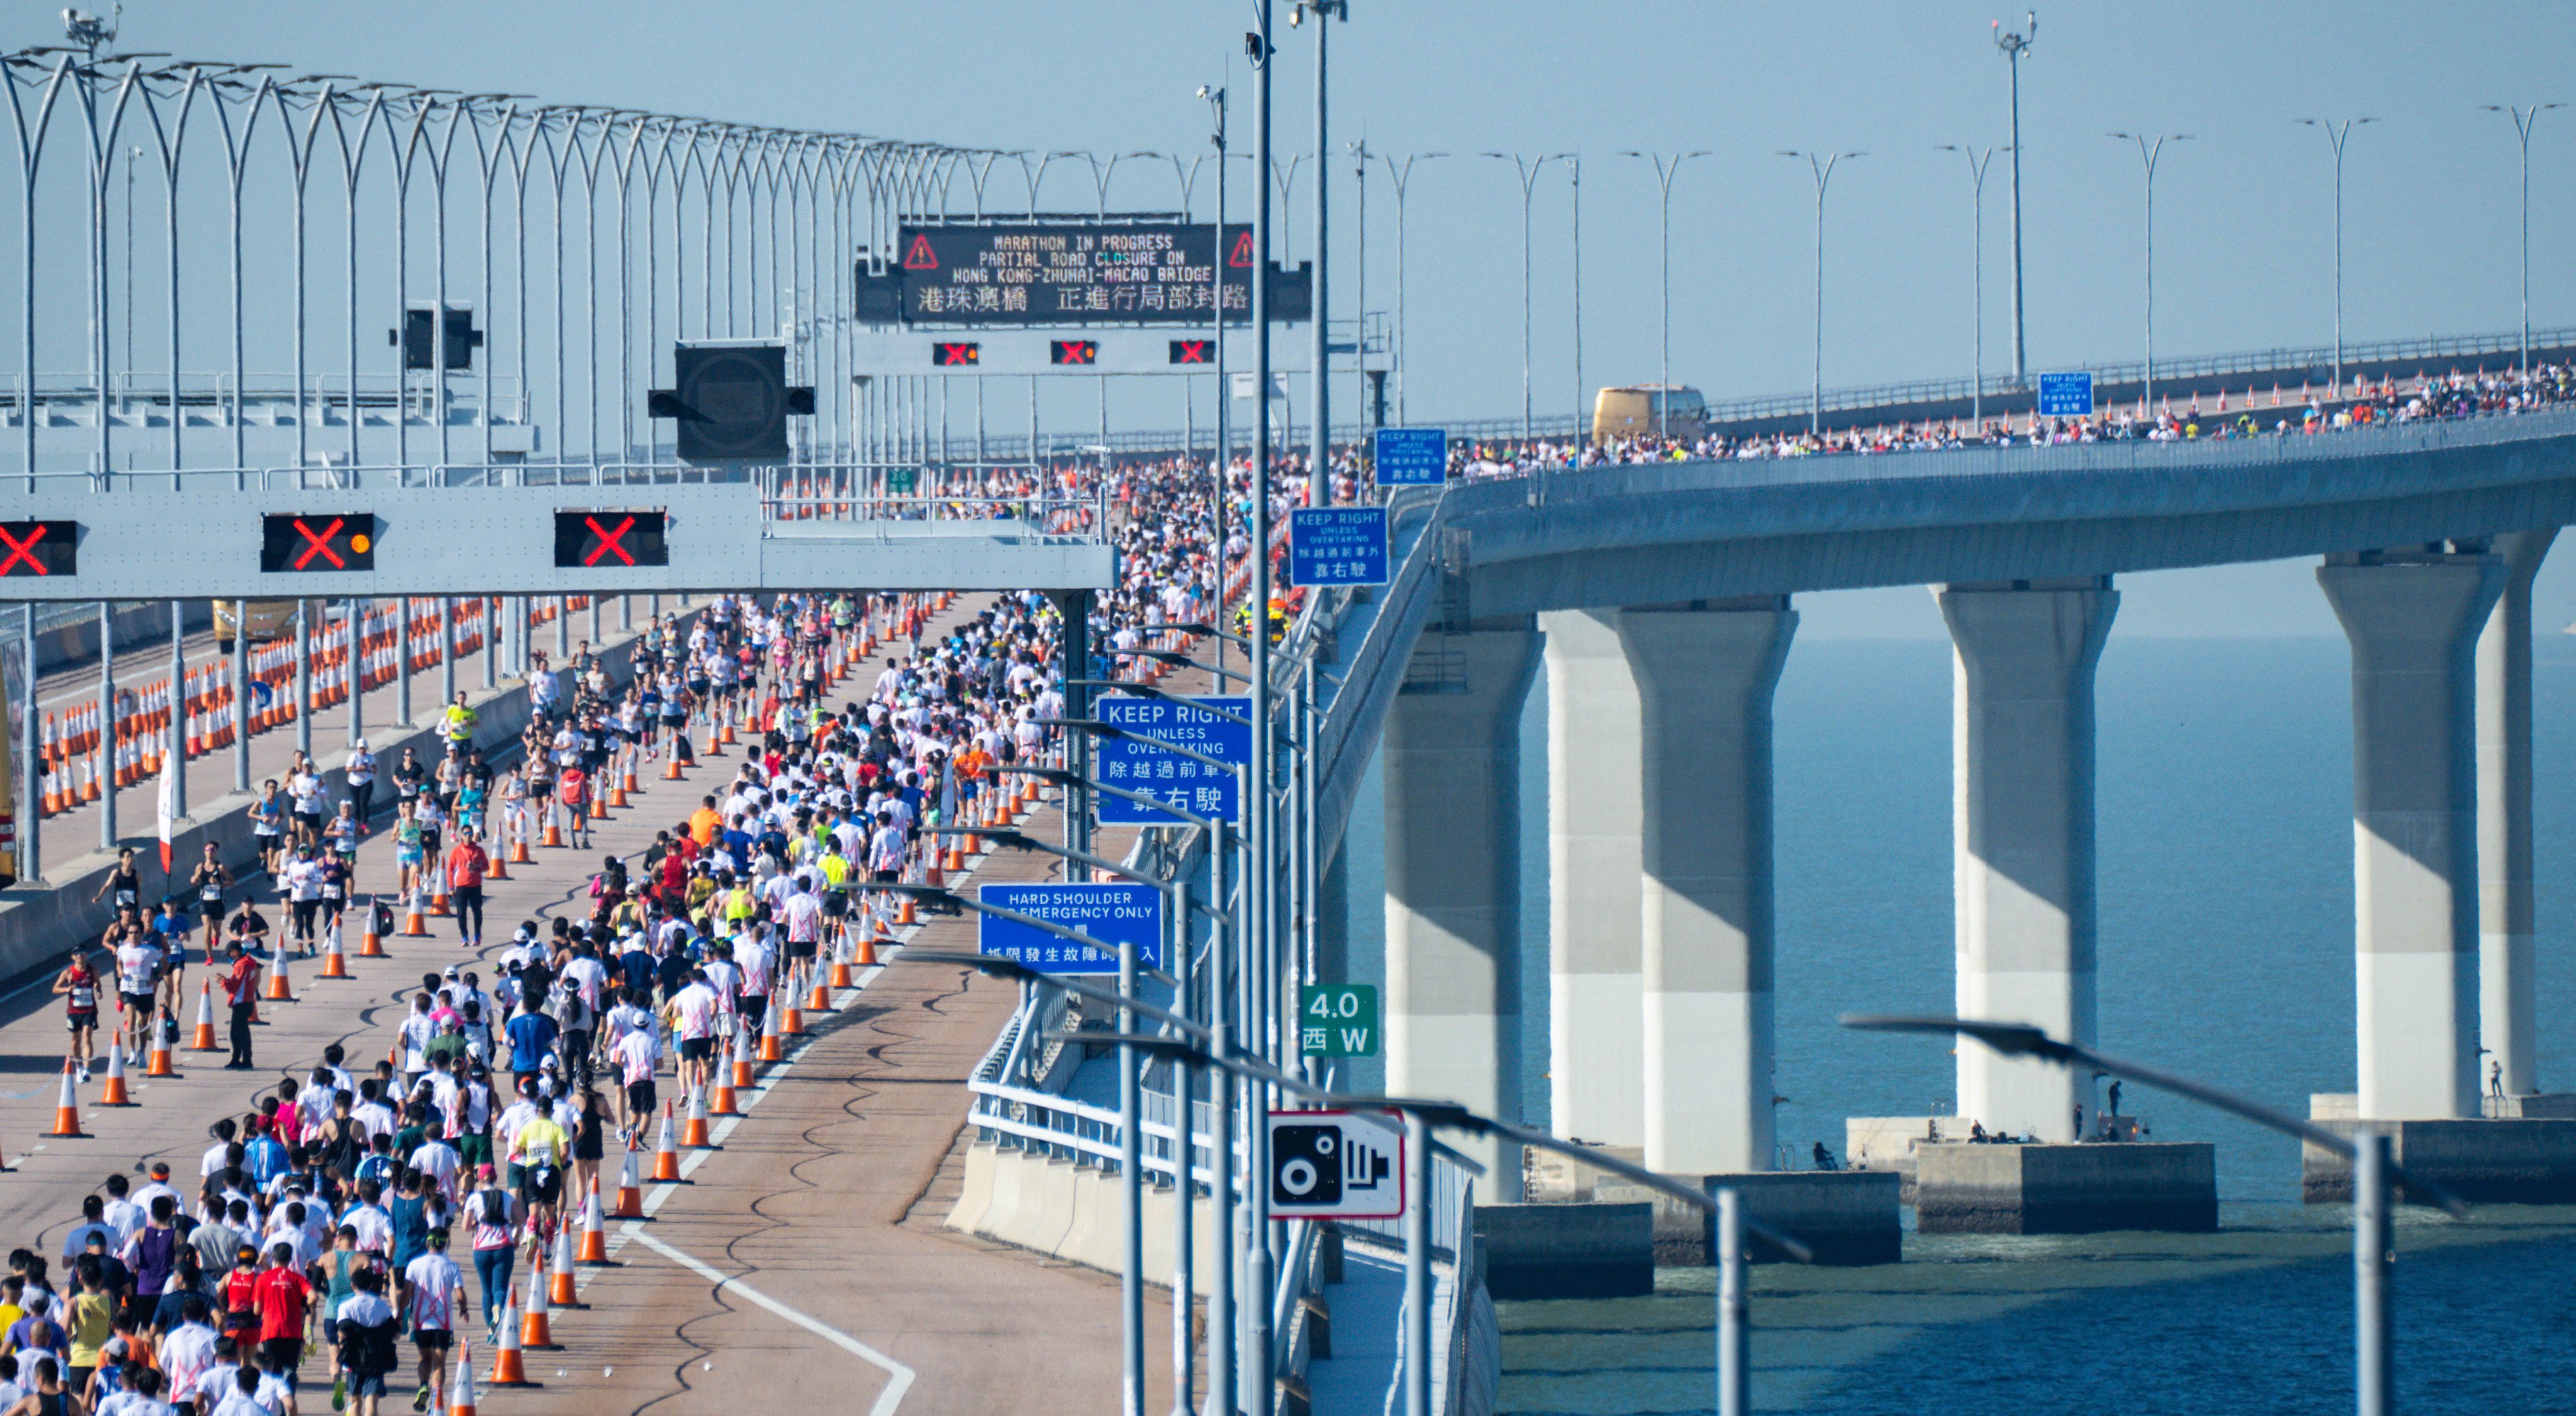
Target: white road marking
<point x="898" y="1376"/>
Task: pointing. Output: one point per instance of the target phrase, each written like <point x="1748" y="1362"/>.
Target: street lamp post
<point x="1319" y="480"/>
<point x="1529" y="168"/>
<point x="2335" y="134"/>
<point x="1665" y="170"/>
<point x="2374" y="1174"/>
<point x="2149" y="149"/>
<point x="1402" y="176"/>
<point x="1574" y="177"/>
<point x="2523" y="119"/>
<point x="1235" y="1358"/>
<point x="1977" y="161"/>
<point x="1822" y="166"/>
<point x="2013" y="46"/>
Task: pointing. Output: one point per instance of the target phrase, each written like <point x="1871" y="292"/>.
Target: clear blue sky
<point x="2242" y="211"/>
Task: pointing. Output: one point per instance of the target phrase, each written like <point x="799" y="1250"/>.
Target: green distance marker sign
<point x="1337" y="1020"/>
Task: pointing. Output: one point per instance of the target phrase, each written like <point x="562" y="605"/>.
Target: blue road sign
<point x="1412" y="457"/>
<point x="2066" y="395"/>
<point x="1185" y="782"/>
<point x="1113" y="914"/>
<point x="1337" y="545"/>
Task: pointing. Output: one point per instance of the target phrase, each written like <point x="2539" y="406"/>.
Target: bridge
<point x="1658" y="599"/>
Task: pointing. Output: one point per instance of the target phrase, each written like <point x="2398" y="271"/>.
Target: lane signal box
<point x="31" y="548"/>
<point x="588" y="540"/>
<point x="317" y="542"/>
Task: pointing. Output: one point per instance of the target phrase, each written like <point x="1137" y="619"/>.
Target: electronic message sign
<point x="1153" y="272"/>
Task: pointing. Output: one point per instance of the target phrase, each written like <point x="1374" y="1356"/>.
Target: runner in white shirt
<point x="438" y="1160"/>
<point x="432" y="1292"/>
<point x="694" y="1011"/>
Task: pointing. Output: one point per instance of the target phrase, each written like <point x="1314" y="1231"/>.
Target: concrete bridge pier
<point x="1704" y="676"/>
<point x="1595" y="999"/>
<point x="2414" y="618"/>
<point x="2022" y="750"/>
<point x="2505" y="963"/>
<point x="1453" y="978"/>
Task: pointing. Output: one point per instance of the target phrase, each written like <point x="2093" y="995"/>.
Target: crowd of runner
<point x="342" y="1211"/>
<point x="2390" y="400"/>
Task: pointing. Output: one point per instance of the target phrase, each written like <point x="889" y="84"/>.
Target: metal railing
<point x="2286" y="360"/>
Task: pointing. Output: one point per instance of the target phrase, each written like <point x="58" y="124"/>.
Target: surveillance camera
<point x="1203" y="90"/>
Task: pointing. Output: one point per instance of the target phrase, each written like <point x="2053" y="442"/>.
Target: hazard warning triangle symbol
<point x="918" y="257"/>
<point x="1241" y="256"/>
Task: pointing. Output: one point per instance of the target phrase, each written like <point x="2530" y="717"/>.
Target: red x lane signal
<point x="950" y="353"/>
<point x="322" y="542"/>
<point x="1073" y="351"/>
<point x="1193" y="351"/>
<point x="39" y="548"/>
<point x="611" y="540"/>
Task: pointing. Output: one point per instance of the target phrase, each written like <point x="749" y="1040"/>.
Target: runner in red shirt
<point x="466" y="864"/>
<point x="280" y="1295"/>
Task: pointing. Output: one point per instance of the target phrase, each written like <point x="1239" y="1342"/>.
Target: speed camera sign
<point x="1335" y="1165"/>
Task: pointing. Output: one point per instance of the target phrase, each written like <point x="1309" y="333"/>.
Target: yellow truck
<point x="1631" y="412"/>
<point x="268" y="619"/>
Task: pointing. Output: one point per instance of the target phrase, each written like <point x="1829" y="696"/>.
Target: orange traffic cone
<point x="414" y="926"/>
<point x="742" y="1054"/>
<point x="460" y="1393"/>
<point x="204" y="1041"/>
<point x="721" y="1104"/>
<point x="495" y="870"/>
<point x="157" y="1058"/>
<point x="560" y="1292"/>
<point x="626" y="781"/>
<point x="371" y="945"/>
<point x="769" y="1051"/>
<point x="554" y="834"/>
<point x="671" y="770"/>
<point x="630" y="1190"/>
<point x="594" y="1234"/>
<point x="113" y="1094"/>
<point x="666" y="1152"/>
<point x="791" y="1021"/>
<point x="519" y="850"/>
<point x="841" y="962"/>
<point x="281" y="988"/>
<point x="507" y="1370"/>
<point x="534" y="1330"/>
<point x="693" y="1132"/>
<point x="334" y="963"/>
<point x="67" y="1109"/>
<point x="438" y="897"/>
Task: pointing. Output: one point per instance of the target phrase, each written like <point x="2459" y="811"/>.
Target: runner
<point x="77" y="986"/>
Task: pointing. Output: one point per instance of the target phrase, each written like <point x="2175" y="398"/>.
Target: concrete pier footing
<point x="1846" y="1216"/>
<point x="2522" y="1153"/>
<point x="2051" y="1188"/>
